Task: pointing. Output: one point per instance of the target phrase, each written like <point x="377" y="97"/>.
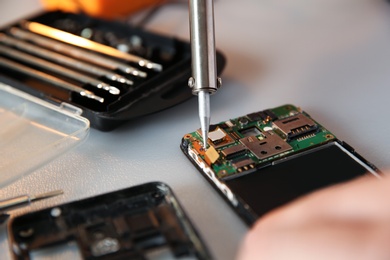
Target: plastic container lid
<point x="34" y="132"/>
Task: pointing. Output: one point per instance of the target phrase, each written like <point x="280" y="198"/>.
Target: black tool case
<point x="39" y="122"/>
<point x="158" y="91"/>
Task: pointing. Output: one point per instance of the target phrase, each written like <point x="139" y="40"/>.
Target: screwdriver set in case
<point x="62" y="73"/>
<point x="110" y="71"/>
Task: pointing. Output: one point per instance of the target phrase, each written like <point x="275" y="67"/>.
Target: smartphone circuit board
<point x="266" y="159"/>
<point x="241" y="145"/>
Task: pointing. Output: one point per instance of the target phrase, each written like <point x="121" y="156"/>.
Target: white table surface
<point x="330" y="57"/>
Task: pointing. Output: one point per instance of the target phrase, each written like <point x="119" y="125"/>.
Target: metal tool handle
<point x="203" y="47"/>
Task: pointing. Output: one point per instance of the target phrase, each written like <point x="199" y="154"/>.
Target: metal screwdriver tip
<point x="120" y="79"/>
<point x="139" y="74"/>
<point x="133" y="72"/>
<point x="91" y="95"/>
<point x="150" y="65"/>
<point x="128" y="82"/>
<point x="113" y="90"/>
<point x="46" y="195"/>
<point x="204" y="115"/>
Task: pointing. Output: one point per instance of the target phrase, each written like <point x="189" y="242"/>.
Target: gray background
<point x="330" y="57"/>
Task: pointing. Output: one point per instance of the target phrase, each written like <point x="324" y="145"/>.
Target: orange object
<point x="100" y="8"/>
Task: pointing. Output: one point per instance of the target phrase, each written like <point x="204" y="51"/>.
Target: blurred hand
<point x="345" y="221"/>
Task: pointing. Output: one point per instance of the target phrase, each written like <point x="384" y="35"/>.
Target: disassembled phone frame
<point x="141" y="222"/>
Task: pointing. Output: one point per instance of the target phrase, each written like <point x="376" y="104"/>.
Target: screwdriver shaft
<point x="26" y="199"/>
<point x="14" y="202"/>
<point x="46" y="65"/>
<point x="46" y="195"/>
<point x="49" y="79"/>
<point x="62" y="59"/>
<point x="76" y="52"/>
<point x="69" y="38"/>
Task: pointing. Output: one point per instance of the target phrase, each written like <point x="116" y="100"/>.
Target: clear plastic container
<point x="34" y="132"/>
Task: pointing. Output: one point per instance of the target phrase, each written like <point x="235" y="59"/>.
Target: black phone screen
<point x="282" y="182"/>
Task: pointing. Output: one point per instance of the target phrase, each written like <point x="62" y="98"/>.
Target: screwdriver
<point x="204" y="81"/>
<point x="76" y="52"/>
<point x="8" y="64"/>
<point x="27" y="58"/>
<point x="26" y="199"/>
<point x="69" y="38"/>
<point x="64" y="60"/>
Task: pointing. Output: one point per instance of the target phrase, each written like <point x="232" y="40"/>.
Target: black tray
<point x="160" y="90"/>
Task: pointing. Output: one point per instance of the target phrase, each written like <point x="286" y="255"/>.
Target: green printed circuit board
<point x="242" y="145"/>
